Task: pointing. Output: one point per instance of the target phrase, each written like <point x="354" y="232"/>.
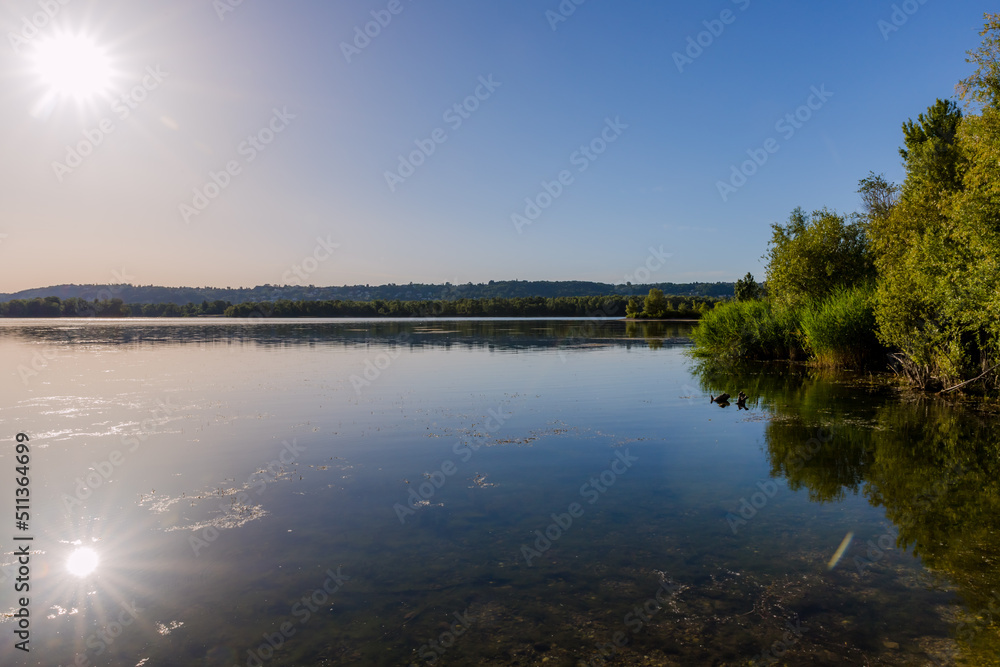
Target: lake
<point x="482" y="492"/>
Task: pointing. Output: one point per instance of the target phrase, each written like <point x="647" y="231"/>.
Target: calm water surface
<point x="483" y="493"/>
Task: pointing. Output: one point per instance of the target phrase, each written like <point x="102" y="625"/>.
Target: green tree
<point x="812" y="256"/>
<point x="930" y="152"/>
<point x="634" y="308"/>
<point x="937" y="252"/>
<point x="911" y="248"/>
<point x="655" y="305"/>
<point x="983" y="85"/>
<point x="878" y="195"/>
<point x="747" y="289"/>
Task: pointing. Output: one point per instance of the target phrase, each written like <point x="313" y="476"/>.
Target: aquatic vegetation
<point x="748" y="330"/>
<point x="840" y="329"/>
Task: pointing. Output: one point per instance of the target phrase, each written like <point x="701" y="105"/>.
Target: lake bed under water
<point x="483" y="492"/>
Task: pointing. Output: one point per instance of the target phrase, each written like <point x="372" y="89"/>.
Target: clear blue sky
<point x="324" y="174"/>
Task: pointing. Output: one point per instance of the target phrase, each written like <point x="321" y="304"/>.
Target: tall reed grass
<point x="840" y="330"/>
<point x="752" y="330"/>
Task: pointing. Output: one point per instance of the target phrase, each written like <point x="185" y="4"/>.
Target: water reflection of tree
<point x="817" y="438"/>
<point x="502" y="334"/>
<point x="933" y="466"/>
<point x="937" y="473"/>
<point x="657" y="330"/>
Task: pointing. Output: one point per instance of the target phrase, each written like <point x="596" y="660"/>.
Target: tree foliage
<point x="878" y="196"/>
<point x="930" y="152"/>
<point x="747" y="289"/>
<point x="593" y="306"/>
<point x="931" y="246"/>
<point x="812" y="256"/>
<point x="937" y="252"/>
<point x="983" y="85"/>
<point x="633" y="309"/>
<point x="499" y="289"/>
<point x="655" y="306"/>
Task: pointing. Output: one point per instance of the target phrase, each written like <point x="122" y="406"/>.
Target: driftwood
<point x="722" y="400"/>
<point x="741" y="401"/>
<point x="978" y="377"/>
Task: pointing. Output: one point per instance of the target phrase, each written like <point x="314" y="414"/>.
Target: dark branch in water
<point x="979" y="377"/>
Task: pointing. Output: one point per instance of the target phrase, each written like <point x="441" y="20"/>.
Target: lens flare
<point x="72" y="66"/>
<point x="844" y="544"/>
<point x="82" y="562"/>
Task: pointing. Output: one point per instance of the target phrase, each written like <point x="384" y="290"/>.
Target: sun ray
<point x="72" y="66"/>
<point x="82" y="562"/>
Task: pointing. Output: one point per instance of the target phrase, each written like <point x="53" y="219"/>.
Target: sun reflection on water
<point x="82" y="562"/>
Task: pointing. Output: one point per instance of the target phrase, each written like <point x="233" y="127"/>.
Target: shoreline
<point x="625" y="319"/>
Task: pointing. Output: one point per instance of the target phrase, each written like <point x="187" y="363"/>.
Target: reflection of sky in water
<point x="218" y="482"/>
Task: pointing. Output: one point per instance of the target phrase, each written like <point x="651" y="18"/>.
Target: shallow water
<point x="483" y="492"/>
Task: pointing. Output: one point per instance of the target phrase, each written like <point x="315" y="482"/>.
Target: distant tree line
<point x="501" y="289"/>
<point x="611" y="306"/>
<point x="587" y="306"/>
<point x="53" y="306"/>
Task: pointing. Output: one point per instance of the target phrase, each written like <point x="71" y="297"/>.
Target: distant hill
<point x="390" y="292"/>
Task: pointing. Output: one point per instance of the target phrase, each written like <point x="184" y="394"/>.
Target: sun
<point x="72" y="66"/>
<point x="82" y="562"/>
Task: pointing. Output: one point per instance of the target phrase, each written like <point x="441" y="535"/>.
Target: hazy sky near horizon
<point x="236" y="142"/>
